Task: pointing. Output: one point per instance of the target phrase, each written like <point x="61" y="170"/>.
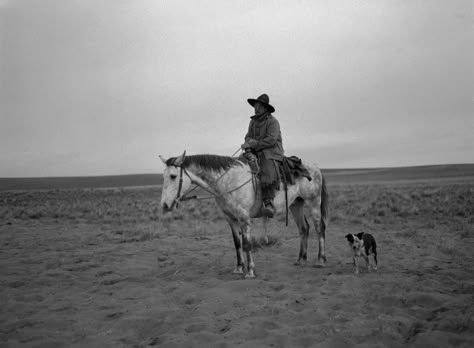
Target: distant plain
<point x="92" y="261"/>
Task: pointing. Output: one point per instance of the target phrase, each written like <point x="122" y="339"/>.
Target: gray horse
<point x="230" y="181"/>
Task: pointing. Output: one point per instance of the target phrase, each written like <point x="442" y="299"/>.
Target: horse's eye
<point x="173" y="176"/>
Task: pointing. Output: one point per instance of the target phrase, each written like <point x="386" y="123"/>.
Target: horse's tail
<point x="324" y="204"/>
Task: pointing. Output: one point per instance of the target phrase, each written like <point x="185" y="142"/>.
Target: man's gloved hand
<point x="245" y="146"/>
<point x="249" y="143"/>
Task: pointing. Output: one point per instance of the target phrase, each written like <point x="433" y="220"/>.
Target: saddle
<point x="290" y="169"/>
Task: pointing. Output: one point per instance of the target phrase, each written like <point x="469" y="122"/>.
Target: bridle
<point x="183" y="197"/>
<point x="180" y="185"/>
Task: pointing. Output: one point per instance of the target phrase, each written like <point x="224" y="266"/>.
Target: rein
<point x="184" y="196"/>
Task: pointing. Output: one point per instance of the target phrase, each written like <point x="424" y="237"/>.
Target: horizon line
<point x="160" y="173"/>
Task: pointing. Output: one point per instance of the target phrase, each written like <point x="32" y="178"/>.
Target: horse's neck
<point x="206" y="179"/>
<point x="217" y="181"/>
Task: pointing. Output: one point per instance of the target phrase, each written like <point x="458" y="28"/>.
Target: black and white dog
<point x="363" y="244"/>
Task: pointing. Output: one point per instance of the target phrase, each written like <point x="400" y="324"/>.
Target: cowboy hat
<point x="265" y="100"/>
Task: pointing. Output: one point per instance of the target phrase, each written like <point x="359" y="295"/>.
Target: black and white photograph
<point x="211" y="173"/>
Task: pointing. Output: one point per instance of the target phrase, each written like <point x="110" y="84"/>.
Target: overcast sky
<point x="93" y="87"/>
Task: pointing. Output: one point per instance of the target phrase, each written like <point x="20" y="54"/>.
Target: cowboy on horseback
<point x="264" y="140"/>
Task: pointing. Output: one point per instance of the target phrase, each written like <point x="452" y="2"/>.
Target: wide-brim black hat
<point x="265" y="100"/>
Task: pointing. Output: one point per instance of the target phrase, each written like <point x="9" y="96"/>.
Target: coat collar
<point x="261" y="117"/>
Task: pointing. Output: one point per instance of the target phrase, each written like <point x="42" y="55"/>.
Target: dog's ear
<point x="359" y="235"/>
<point x="350" y="238"/>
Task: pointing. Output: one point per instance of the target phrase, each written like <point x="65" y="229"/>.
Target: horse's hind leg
<point x="297" y="210"/>
<point x="237" y="236"/>
<point x="321" y="231"/>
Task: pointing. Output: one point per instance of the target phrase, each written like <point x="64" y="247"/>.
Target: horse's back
<point x="310" y="188"/>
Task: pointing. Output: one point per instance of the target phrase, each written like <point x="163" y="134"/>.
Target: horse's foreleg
<point x="247" y="244"/>
<point x="237" y="236"/>
<point x="297" y="210"/>
<point x="321" y="231"/>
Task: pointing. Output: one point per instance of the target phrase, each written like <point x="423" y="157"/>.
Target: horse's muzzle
<point x="168" y="208"/>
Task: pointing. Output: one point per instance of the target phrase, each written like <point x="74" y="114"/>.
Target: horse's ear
<point x="180" y="159"/>
<point x="163" y="159"/>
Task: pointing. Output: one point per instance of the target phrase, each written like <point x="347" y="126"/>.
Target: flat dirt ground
<point x="104" y="268"/>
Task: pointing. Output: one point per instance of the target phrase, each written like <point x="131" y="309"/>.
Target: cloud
<point x="118" y="82"/>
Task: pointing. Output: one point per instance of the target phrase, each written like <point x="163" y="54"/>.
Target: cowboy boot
<point x="268" y="210"/>
<point x="267" y="197"/>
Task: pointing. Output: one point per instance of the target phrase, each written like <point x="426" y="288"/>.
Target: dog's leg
<point x="356" y="265"/>
<point x="367" y="262"/>
<point x="375" y="255"/>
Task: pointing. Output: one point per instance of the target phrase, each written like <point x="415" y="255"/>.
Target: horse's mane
<point x="208" y="162"/>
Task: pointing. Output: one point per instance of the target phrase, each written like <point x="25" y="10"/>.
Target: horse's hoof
<point x="320" y="264"/>
<point x="238" y="270"/>
<point x="300" y="262"/>
<point x="250" y="275"/>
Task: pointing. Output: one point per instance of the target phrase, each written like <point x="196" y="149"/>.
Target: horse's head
<point x="175" y="182"/>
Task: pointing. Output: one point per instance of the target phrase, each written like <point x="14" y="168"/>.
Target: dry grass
<point x="264" y="241"/>
<point x="104" y="267"/>
<point x="348" y="203"/>
<point x="412" y="207"/>
<point x="382" y="204"/>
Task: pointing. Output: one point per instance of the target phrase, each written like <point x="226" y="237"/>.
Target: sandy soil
<point x="88" y="278"/>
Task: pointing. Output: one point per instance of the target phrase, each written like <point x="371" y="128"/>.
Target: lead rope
<point x="225" y="172"/>
<point x="235" y="153"/>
